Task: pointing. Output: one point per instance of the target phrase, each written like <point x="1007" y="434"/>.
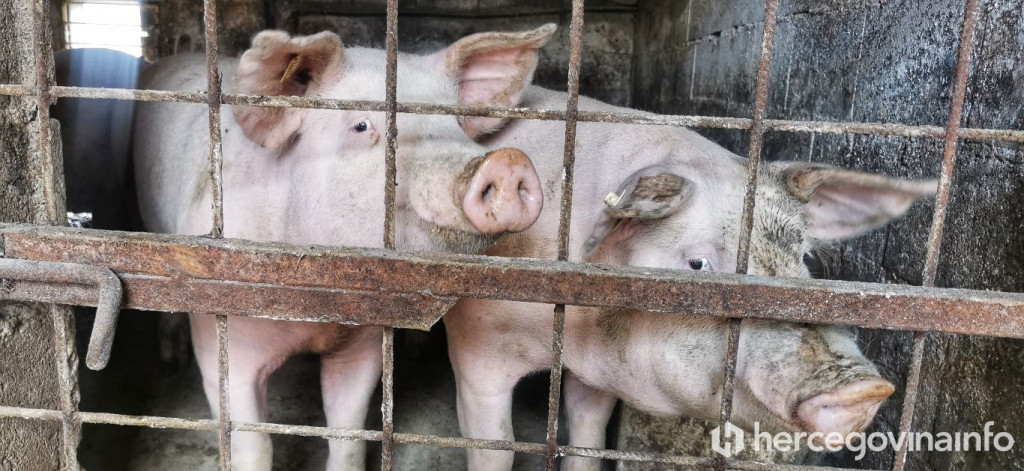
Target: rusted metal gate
<point x="211" y="275"/>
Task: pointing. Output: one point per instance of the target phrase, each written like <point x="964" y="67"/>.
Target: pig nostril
<point x="488" y="192"/>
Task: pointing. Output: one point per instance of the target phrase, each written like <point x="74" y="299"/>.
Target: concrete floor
<point x="138" y="382"/>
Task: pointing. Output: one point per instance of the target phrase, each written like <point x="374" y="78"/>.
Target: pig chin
<point x="427" y="236"/>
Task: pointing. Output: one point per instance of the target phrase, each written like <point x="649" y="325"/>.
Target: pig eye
<point x="699" y="264"/>
<point x="362" y="126"/>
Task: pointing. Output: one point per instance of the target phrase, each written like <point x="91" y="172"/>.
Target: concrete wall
<point x="28" y="370"/>
<point x="876" y="62"/>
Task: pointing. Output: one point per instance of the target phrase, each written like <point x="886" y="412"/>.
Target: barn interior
<point x="839" y="60"/>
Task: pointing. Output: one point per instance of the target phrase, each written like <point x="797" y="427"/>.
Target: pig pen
<point x="901" y="64"/>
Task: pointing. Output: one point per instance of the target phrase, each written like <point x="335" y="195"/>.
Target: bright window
<point x="110" y="24"/>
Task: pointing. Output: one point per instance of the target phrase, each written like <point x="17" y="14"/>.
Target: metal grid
<point x="921" y="309"/>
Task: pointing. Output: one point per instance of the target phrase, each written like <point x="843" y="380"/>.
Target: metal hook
<point x="108" y="305"/>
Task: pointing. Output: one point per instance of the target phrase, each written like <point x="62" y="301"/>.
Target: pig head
<point x="789" y="376"/>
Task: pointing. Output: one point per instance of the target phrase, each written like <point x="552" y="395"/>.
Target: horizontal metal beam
<point x="715" y="122"/>
<point x="406" y="438"/>
<point x="184" y="273"/>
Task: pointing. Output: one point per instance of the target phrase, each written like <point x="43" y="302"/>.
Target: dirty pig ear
<point x="493" y="69"/>
<point x="650" y="193"/>
<point x="843" y="203"/>
<point x="280" y="65"/>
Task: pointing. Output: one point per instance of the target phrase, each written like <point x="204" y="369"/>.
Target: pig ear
<point x="280" y="65"/>
<point x="651" y="193"/>
<point x="493" y="69"/>
<point x="843" y="203"/>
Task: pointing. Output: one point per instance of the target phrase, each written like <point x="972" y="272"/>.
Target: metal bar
<point x="405" y="438"/>
<point x="931" y="261"/>
<point x="43" y="81"/>
<point x="66" y="359"/>
<point x="910" y="397"/>
<point x="182" y="261"/>
<point x="713" y="122"/>
<point x="223" y="394"/>
<point x="108" y="300"/>
<point x="213" y="99"/>
<point x="16" y="90"/>
<point x="757" y="130"/>
<point x="387" y="406"/>
<point x="564" y="226"/>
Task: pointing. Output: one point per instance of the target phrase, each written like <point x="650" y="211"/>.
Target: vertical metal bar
<point x="387" y="406"/>
<point x="224" y="396"/>
<point x="43" y="82"/>
<point x="565" y="218"/>
<point x="391" y="135"/>
<point x="757" y="129"/>
<point x="67" y="383"/>
<point x="63" y="324"/>
<point x="931" y="261"/>
<point x="213" y="98"/>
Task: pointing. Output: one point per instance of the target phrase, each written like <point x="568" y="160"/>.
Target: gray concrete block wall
<point x="28" y="369"/>
<point x="874" y="62"/>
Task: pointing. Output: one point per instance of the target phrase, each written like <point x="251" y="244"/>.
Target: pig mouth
<point x="458" y="241"/>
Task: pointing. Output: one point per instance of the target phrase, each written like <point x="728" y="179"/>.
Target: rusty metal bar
<point x="910" y="397"/>
<point x="43" y="81"/>
<point x="757" y="130"/>
<point x="16" y="90"/>
<point x="223" y="395"/>
<point x="387" y="406"/>
<point x="175" y="261"/>
<point x="97" y="278"/>
<point x="712" y="122"/>
<point x="213" y="99"/>
<point x="405" y="438"/>
<point x="564" y="226"/>
<point x="66" y="358"/>
<point x="931" y="262"/>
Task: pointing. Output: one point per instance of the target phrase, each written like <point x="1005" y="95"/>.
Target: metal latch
<point x="53" y="275"/>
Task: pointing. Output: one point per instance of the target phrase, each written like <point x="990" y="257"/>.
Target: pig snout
<point x="504" y="193"/>
<point x="846" y="409"/>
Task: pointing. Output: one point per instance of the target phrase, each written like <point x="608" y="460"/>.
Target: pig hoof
<point x="846" y="409"/>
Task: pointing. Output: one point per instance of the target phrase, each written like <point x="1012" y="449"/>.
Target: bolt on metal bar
<point x="223" y="395"/>
<point x="564" y="226"/>
<point x="213" y="99"/>
<point x="757" y="130"/>
<point x="931" y="263"/>
<point x="387" y="406"/>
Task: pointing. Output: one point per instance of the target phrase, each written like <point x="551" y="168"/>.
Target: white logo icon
<point x="728" y="449"/>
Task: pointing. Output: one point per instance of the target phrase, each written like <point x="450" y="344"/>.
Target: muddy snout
<point x="845" y="409"/>
<point x="503" y="194"/>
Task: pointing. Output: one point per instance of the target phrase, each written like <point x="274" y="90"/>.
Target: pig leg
<point x="587" y="411"/>
<point x="485" y="412"/>
<point x="249" y="371"/>
<point x="348" y="379"/>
